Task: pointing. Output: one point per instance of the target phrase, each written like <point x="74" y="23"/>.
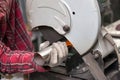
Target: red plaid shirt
<point x="15" y="43"/>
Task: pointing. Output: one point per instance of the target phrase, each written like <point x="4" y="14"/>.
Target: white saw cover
<point x="83" y="17"/>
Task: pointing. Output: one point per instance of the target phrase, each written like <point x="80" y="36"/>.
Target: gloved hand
<point x="53" y="55"/>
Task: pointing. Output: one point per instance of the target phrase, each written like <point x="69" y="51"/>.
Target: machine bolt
<point x="84" y="69"/>
<point x="96" y="55"/>
<point x="66" y="28"/>
<point x="77" y="67"/>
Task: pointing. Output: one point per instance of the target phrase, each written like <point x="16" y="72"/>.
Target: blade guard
<point x="82" y="17"/>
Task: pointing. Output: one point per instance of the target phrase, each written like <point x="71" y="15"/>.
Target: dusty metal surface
<point x="94" y="67"/>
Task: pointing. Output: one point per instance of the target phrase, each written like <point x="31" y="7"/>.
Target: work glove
<point x="52" y="55"/>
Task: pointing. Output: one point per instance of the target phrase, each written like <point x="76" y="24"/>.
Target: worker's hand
<point x="44" y="45"/>
<point x="54" y="54"/>
<point x="58" y="54"/>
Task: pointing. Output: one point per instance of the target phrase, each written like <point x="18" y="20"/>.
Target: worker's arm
<point x="17" y="61"/>
<point x="26" y="62"/>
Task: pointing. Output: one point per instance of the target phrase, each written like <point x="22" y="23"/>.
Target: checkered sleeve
<point x="17" y="61"/>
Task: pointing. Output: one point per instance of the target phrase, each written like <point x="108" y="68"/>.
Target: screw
<point x="66" y="28"/>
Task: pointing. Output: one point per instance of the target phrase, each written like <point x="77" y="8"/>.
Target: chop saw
<point x="79" y="23"/>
